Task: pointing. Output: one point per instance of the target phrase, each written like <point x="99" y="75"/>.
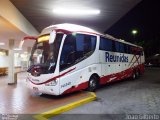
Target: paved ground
<point x="116" y="101"/>
<point x="18" y="99"/>
<point x="141" y="96"/>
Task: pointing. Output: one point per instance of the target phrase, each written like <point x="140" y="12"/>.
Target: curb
<point x="56" y="111"/>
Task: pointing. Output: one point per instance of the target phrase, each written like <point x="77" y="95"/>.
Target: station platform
<point x="18" y="99"/>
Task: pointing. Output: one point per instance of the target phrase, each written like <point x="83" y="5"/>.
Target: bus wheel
<point x="134" y="75"/>
<point x="93" y="84"/>
<point x="137" y="74"/>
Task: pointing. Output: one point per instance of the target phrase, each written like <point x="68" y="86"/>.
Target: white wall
<point x="3" y="61"/>
<point x="19" y="60"/>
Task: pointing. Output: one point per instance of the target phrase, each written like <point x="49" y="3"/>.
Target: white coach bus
<point x="68" y="58"/>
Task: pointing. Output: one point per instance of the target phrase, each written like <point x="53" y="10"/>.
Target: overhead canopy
<point x="39" y="12"/>
<point x="19" y="18"/>
<point x="13" y="25"/>
<point x="9" y="31"/>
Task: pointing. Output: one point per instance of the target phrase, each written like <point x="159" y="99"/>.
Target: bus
<point x="69" y="57"/>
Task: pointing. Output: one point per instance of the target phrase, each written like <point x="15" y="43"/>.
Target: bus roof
<point x="78" y="28"/>
<point x="69" y="27"/>
<point x="120" y="40"/>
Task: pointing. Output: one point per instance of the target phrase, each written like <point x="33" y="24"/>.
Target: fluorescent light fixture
<point x="64" y="11"/>
<point x="2" y="43"/>
<point x="18" y="49"/>
<point x="73" y="27"/>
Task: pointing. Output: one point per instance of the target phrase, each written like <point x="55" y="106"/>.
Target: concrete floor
<point x="117" y="100"/>
<point x="18" y="99"/>
<point x="114" y="102"/>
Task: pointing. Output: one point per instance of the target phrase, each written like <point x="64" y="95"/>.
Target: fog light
<point x="52" y="83"/>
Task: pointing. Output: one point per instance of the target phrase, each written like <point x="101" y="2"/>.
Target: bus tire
<point x="93" y="84"/>
<point x="137" y="73"/>
<point x="134" y="75"/>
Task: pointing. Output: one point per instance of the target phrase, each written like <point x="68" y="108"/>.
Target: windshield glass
<point x="44" y="54"/>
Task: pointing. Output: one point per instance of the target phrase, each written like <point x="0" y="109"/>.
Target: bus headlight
<point x="52" y="83"/>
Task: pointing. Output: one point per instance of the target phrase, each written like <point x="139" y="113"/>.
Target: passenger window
<point x="121" y="47"/>
<point x="67" y="54"/>
<point x="128" y="49"/>
<point x="117" y="46"/>
<point x="106" y="44"/>
<point x="132" y="50"/>
<point x="85" y="45"/>
<point x="141" y="53"/>
<point x="76" y="48"/>
<point x="125" y="48"/>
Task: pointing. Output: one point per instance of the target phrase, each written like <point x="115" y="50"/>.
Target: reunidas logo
<point x="116" y="58"/>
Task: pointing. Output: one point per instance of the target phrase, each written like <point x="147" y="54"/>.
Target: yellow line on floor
<point x="54" y="112"/>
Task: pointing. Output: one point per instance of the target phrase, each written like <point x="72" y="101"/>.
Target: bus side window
<point x="106" y="44"/>
<point x="128" y="49"/>
<point x="117" y="46"/>
<point x="141" y="53"/>
<point x="121" y="47"/>
<point x="132" y="50"/>
<point x="68" y="52"/>
<point x="76" y="48"/>
<point x="85" y="45"/>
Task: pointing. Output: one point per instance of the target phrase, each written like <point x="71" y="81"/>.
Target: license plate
<point x="35" y="89"/>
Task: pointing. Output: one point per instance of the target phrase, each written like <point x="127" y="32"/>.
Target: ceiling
<point x="9" y="31"/>
<point x="39" y="12"/>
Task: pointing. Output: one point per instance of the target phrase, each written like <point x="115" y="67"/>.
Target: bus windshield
<point x="44" y="54"/>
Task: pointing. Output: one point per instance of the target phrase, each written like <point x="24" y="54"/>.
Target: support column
<point x="11" y="70"/>
<point x="28" y="55"/>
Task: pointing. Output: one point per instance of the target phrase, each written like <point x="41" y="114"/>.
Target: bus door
<point x="67" y="67"/>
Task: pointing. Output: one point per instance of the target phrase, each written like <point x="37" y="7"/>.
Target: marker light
<point x="63" y="11"/>
<point x="43" y="38"/>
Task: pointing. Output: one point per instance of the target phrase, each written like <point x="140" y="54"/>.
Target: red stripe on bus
<point x="106" y="79"/>
<point x="30" y="38"/>
<point x="81" y="86"/>
<point x="54" y="78"/>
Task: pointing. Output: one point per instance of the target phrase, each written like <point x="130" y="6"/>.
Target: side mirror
<point x="52" y="37"/>
<point x="25" y="39"/>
